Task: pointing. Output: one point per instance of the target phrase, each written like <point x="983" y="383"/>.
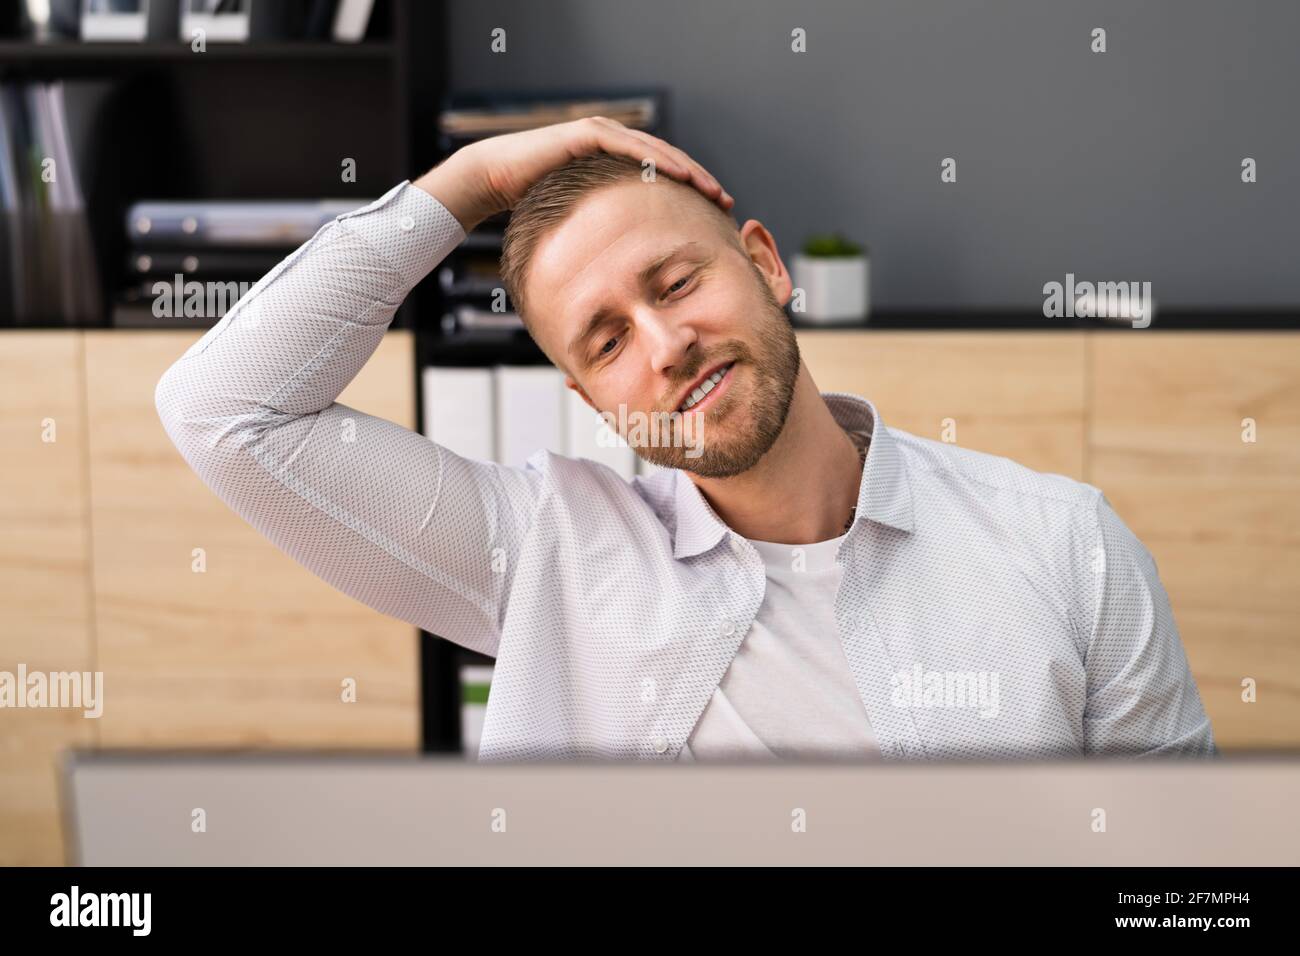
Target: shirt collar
<point x="884" y="496"/>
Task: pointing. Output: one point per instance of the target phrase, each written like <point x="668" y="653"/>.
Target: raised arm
<point x="382" y="513"/>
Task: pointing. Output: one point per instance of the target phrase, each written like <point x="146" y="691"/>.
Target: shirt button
<point x="660" y="745"/>
<point x="737" y="544"/>
<point x="407" y="223"/>
<point x="728" y="628"/>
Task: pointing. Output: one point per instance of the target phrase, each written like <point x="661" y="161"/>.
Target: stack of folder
<point x="506" y="116"/>
<point x="189" y="262"/>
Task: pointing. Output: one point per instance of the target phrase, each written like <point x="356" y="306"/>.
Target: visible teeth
<point x="704" y="388"/>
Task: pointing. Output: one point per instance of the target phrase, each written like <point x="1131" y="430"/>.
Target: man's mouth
<point x="706" y="385"/>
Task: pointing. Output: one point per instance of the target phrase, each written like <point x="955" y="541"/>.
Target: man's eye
<point x="605" y="349"/>
<point x="678" y="284"/>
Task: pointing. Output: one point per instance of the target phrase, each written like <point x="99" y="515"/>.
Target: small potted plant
<point x="832" y="274"/>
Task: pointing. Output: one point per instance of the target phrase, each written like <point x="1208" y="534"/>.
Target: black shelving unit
<point x="249" y="120"/>
<point x="69" y="57"/>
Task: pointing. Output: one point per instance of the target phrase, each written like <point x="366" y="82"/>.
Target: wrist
<point x="454" y="186"/>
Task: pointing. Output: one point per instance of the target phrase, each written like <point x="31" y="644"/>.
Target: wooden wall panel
<point x="45" y="611"/>
<point x="1220" y="515"/>
<point x="1018" y="394"/>
<point x="252" y="652"/>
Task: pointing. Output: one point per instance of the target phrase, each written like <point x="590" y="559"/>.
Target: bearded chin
<point x="773" y="375"/>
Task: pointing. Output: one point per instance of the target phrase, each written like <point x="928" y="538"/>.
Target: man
<point x="803" y="582"/>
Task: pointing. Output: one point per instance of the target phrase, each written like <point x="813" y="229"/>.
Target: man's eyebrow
<point x="648" y="272"/>
<point x="655" y="265"/>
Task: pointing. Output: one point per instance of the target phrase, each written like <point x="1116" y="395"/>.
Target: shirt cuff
<point x="410" y="228"/>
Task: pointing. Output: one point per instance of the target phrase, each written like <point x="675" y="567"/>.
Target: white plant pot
<point x="835" y="288"/>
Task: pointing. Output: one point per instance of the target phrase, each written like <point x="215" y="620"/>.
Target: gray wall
<point x="1116" y="166"/>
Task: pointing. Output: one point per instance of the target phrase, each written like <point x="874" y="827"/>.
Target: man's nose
<point x="670" y="339"/>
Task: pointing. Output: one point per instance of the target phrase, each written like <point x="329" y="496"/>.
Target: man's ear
<point x="760" y="245"/>
<point x="570" y="383"/>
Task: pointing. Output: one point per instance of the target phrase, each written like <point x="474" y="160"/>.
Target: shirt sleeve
<point x="1141" y="697"/>
<point x="380" y="512"/>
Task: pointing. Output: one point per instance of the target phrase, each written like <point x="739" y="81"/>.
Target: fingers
<point x="614" y="137"/>
<point x="700" y="177"/>
<point x="639" y="144"/>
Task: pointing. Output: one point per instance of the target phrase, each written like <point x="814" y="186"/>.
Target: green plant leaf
<point x="830" y="245"/>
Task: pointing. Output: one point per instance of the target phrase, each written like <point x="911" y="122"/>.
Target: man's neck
<point x="804" y="488"/>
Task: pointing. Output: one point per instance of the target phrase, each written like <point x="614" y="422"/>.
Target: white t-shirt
<point x="789" y="693"/>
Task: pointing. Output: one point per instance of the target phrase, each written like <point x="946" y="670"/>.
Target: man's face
<point x="638" y="295"/>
